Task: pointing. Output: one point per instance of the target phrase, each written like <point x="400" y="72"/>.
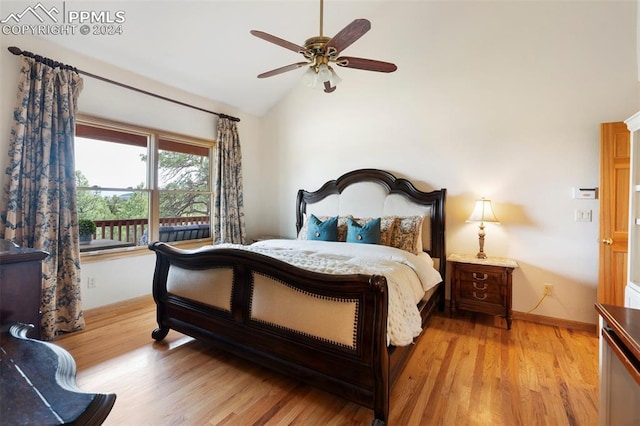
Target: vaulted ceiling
<point x="205" y="47"/>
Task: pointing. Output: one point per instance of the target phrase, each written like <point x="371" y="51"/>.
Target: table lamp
<point x="482" y="212"/>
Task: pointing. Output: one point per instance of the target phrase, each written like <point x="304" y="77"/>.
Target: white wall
<point x="122" y="279"/>
<point x="494" y="99"/>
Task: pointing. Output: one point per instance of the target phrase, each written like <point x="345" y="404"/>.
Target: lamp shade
<point x="483" y="212"/>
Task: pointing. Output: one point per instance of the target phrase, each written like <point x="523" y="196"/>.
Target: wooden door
<point x="614" y="212"/>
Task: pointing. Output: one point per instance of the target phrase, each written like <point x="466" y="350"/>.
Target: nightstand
<point x="482" y="285"/>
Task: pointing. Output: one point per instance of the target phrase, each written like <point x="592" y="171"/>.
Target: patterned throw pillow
<point x="367" y="233"/>
<point x="406" y="234"/>
<point x="342" y="228"/>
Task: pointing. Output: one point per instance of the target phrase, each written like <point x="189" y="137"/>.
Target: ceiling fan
<point x="321" y="51"/>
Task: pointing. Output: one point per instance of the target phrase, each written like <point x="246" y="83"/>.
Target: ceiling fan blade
<point x="277" y="40"/>
<point x="347" y="36"/>
<point x="282" y="69"/>
<point x="365" y="64"/>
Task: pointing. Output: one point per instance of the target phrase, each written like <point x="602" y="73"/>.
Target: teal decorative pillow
<point x="323" y="231"/>
<point x="387" y="227"/>
<point x="368" y="233"/>
<point x="342" y="227"/>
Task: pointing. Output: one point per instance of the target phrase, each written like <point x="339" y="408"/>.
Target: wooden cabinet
<point x="482" y="285"/>
<point x="632" y="291"/>
<point x="21" y="285"/>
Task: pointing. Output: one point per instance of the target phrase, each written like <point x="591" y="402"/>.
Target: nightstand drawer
<point x="483" y="291"/>
<point x="483" y="277"/>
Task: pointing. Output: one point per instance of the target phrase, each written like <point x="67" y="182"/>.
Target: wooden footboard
<point x="275" y="314"/>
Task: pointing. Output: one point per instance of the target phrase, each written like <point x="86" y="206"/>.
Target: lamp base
<point x="481" y="235"/>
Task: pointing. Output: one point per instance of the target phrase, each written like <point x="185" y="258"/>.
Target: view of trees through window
<point x="101" y="204"/>
<point x="183" y="179"/>
<point x="113" y="170"/>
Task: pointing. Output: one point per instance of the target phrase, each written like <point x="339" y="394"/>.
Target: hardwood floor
<point x="464" y="371"/>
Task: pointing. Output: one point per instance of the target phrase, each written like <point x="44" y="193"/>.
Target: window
<point x="139" y="185"/>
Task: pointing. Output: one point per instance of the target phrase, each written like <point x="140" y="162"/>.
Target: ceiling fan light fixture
<point x="316" y="75"/>
<point x="323" y="73"/>
<point x="310" y="76"/>
<point x="334" y="80"/>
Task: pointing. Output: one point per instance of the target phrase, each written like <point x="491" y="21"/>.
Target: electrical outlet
<point x="547" y="289"/>
<point x="91" y="282"/>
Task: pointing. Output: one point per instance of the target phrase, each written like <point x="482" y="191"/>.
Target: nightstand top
<point x="493" y="261"/>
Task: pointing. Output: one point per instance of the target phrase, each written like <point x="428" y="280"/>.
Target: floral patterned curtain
<point x="38" y="207"/>
<point x="228" y="212"/>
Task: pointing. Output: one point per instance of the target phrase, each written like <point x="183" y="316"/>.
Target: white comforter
<point x="408" y="276"/>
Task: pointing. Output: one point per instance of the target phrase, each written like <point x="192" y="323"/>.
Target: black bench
<point x="184" y="232"/>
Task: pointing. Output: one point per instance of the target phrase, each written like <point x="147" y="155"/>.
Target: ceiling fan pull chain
<point x="321" y="16"/>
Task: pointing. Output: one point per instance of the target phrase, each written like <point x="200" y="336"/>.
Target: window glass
<point x="183" y="167"/>
<point x="110" y="164"/>
<point x="112" y="189"/>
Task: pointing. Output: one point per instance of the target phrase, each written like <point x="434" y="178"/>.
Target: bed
<point x="330" y="325"/>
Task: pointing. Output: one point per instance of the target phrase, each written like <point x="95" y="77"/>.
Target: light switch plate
<point x="583" y="215"/>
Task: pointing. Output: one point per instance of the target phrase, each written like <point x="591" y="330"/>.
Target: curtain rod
<point x="56" y="64"/>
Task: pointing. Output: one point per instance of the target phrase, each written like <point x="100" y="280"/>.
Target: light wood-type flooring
<point x="465" y="370"/>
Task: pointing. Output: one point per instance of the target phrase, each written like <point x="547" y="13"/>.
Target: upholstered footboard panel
<point x="212" y="287"/>
<point x="327" y="319"/>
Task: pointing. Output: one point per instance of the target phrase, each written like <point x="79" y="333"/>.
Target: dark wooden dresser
<point x="38" y="387"/>
<point x="20" y="285"/>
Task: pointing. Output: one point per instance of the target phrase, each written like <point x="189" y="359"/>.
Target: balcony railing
<point x="136" y="231"/>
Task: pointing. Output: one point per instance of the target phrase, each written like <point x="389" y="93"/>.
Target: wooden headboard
<point x="376" y="193"/>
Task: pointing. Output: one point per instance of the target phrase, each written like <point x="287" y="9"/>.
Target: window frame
<point x="153" y="146"/>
